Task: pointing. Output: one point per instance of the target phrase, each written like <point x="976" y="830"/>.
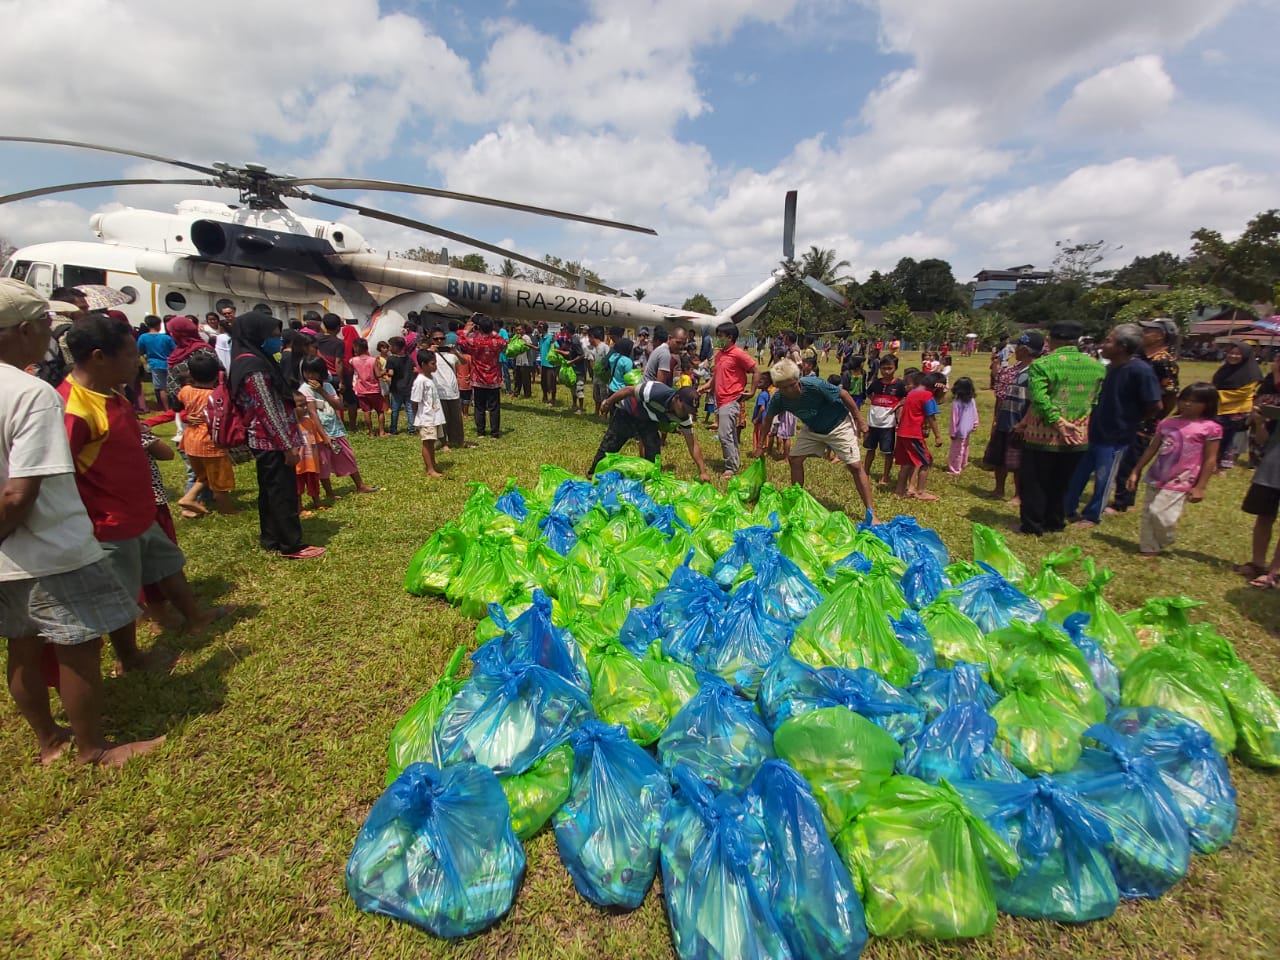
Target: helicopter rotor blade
<point x="347" y="183"/>
<point x="449" y="234"/>
<point x="789" y="227"/>
<point x="94" y="184"/>
<point x="820" y="288"/>
<point x="124" y="153"/>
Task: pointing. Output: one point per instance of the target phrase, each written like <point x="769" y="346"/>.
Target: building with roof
<point x="991" y="285"/>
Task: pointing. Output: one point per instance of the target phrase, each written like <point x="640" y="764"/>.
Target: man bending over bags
<point x="638" y="412"/>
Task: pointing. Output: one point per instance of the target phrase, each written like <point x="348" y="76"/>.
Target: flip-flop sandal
<point x="371" y="490"/>
<point x="1268" y="581"/>
<point x="306" y="553"/>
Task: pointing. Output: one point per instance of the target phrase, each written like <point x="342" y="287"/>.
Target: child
<point x="964" y="420"/>
<point x="338" y="458"/>
<point x="464" y="382"/>
<point x="1185" y="450"/>
<point x="918" y="417"/>
<point x="400" y="374"/>
<point x="853" y="380"/>
<point x="211" y="467"/>
<point x="368" y="386"/>
<point x="430" y="415"/>
<point x="703" y="376"/>
<point x="759" y="413"/>
<point x="885" y="396"/>
<point x="380" y="367"/>
<point x="308" y="467"/>
<point x="685" y="377"/>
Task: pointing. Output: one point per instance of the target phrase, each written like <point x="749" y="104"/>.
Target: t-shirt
<point x="818" y="407"/>
<point x="918" y="405"/>
<point x="156" y="347"/>
<point x="446" y="377"/>
<point x="349" y="335"/>
<point x="366" y="375"/>
<point x="1177" y="465"/>
<point x="57" y="536"/>
<point x="222" y="347"/>
<point x="402" y="374"/>
<point x="424" y="394"/>
<point x="1127" y="390"/>
<point x="329" y="418"/>
<point x="577" y="359"/>
<point x="883" y="400"/>
<point x="658" y="361"/>
<point x="650" y="400"/>
<point x="112" y="472"/>
<point x="619" y="367"/>
<point x="596" y="354"/>
<point x="331" y="349"/>
<point x="544" y="348"/>
<point x="484" y="350"/>
<point x="732" y="364"/>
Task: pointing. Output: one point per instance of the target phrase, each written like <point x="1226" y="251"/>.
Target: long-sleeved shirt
<point x="485" y="351"/>
<point x="271" y="424"/>
<point x="1063" y="385"/>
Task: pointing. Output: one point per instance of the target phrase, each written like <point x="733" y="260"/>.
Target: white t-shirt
<point x="430" y="413"/>
<point x="222" y="347"/>
<point x="446" y="376"/>
<point x="57" y="537"/>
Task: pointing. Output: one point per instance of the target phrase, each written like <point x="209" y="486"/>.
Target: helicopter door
<point x="40" y="276"/>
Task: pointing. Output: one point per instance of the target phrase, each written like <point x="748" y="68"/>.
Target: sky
<point x="980" y="131"/>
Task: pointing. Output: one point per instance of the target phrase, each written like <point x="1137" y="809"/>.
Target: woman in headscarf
<point x="186" y="338"/>
<point x="261" y="393"/>
<point x="1237" y="381"/>
<point x="619" y="362"/>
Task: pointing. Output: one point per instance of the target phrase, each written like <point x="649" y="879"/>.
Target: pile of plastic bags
<point x="814" y="730"/>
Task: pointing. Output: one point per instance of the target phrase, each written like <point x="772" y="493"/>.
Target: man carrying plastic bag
<point x="636" y="413"/>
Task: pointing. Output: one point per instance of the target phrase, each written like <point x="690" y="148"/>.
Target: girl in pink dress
<point x="964" y="420"/>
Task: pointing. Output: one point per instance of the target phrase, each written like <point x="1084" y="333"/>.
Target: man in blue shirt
<point x="156" y="346"/>
<point x="1129" y="395"/>
<point x="546" y="344"/>
<point x="829" y="420"/>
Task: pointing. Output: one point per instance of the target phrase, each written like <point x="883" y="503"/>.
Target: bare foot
<point x="194" y="506"/>
<point x="1148" y="556"/>
<point x="117" y="755"/>
<point x="52" y="751"/>
<point x="436" y="475"/>
<point x="205" y="619"/>
<point x="190" y="514"/>
<point x="1084" y="524"/>
<point x="367" y="489"/>
<point x="306" y="515"/>
<point x="1015" y="502"/>
<point x="925" y="497"/>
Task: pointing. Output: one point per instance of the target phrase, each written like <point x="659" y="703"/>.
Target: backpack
<point x="228" y="429"/>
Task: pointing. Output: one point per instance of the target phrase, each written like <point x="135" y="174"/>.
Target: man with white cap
<point x="55" y="587"/>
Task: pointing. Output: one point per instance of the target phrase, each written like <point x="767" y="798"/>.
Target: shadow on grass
<point x="989" y="516"/>
<point x="318" y="531"/>
<point x="148" y="704"/>
<point x="1129" y="545"/>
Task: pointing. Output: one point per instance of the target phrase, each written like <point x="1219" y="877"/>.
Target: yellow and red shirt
<point x="112" y="473"/>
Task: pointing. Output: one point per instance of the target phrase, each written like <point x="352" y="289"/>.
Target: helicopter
<point x="259" y="254"/>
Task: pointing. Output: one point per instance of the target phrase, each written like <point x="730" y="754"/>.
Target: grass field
<point x="231" y="840"/>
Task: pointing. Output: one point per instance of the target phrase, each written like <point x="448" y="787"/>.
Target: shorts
<point x="370" y="402"/>
<point x="842" y="441"/>
<point x="881" y="438"/>
<point x="430" y="433"/>
<point x="580" y="389"/>
<point x="911" y="452"/>
<point x="66" y="608"/>
<point x="216" y="473"/>
<point x="146" y="558"/>
<point x="160" y="378"/>
<point x="599" y="391"/>
<point x="464" y="396"/>
<point x="1261" y="501"/>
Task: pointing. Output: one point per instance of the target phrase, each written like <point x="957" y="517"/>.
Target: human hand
<point x="704" y="476"/>
<point x="291" y="457"/>
<point x="1196" y="494"/>
<point x="1132" y="483"/>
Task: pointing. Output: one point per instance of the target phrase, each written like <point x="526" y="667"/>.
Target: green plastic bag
<point x="568" y="377"/>
<point x="549" y="479"/>
<point x="692" y="551"/>
<point x="1037" y="735"/>
<point x="579" y="588"/>
<point x="622" y="526"/>
<point x="480" y="514"/>
<point x="958" y="571"/>
<point x="1040" y="656"/>
<point x="666" y="488"/>
<point x="1255" y="708"/>
<point x="633" y="377"/>
<point x="1105" y="624"/>
<point x="436" y="562"/>
<point x="1049" y="587"/>
<point x="801" y="545"/>
<point x="1182" y="681"/>
<point x="622" y="693"/>
<point x="990" y="548"/>
<point x="411" y="736"/>
<point x="539" y="792"/>
<point x="676" y="684"/>
<point x="919" y="858"/>
<point x="1160" y="618"/>
<point x="799" y="504"/>
<point x="512" y="606"/>
<point x="516" y="346"/>
<point x="845" y="758"/>
<point x="695" y="504"/>
<point x="746" y="485"/>
<point x="883" y="590"/>
<point x="956" y="638"/>
<point x="847" y="630"/>
<point x="768" y="503"/>
<point x="840" y="532"/>
<point x="875" y="550"/>
<point x="634" y="468"/>
<point x="490" y="573"/>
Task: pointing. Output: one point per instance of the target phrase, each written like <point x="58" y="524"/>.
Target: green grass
<point x="230" y="842"/>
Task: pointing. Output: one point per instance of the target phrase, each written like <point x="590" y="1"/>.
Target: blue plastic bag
<point x="1191" y="767"/>
<point x="748" y="544"/>
<point x="1150" y="849"/>
<point x="744" y="641"/>
<point x="687" y="640"/>
<point x="640" y="629"/>
<point x="533" y="638"/>
<point x="608" y="830"/>
<point x="716" y="874"/>
<point x="559" y="533"/>
<point x="935" y="690"/>
<point x="957" y="745"/>
<point x="718" y="736"/>
<point x="1061" y="843"/>
<point x="910" y="629"/>
<point x="512" y="504"/>
<point x="573" y="499"/>
<point x="854" y="560"/>
<point x="787" y="687"/>
<point x="923" y="581"/>
<point x="811" y="893"/>
<point x="687" y="588"/>
<point x="992" y="602"/>
<point x="1106" y="675"/>
<point x="908" y="540"/>
<point x="437" y="850"/>
<point x="791" y="688"/>
<point x="508" y="716"/>
<point x="788" y="593"/>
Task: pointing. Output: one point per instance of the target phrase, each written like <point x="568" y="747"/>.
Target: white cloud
<point x="1121" y="98"/>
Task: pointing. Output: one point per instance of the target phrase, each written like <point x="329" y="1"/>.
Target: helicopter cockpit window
<point x="175" y="301"/>
<point x="131" y="293"/>
<point x="18" y="269"/>
<point x="73" y="276"/>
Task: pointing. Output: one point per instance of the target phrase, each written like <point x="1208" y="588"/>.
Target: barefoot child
<point x="368" y="387"/>
<point x="314" y="439"/>
<point x="919" y="417"/>
<point x="964" y="420"/>
<point x="884" y="396"/>
<point x="430" y="415"/>
<point x="760" y="413"/>
<point x="212" y="467"/>
<point x="341" y="459"/>
<point x="1185" y="451"/>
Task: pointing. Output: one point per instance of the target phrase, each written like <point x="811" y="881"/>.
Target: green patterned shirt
<point x="1061" y="386"/>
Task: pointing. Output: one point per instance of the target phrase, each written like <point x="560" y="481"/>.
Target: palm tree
<point x="509" y="270"/>
<point x="638" y="293"/>
<point x="822" y="265"/>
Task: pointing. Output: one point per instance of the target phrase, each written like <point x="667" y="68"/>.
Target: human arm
<point x="615" y="398"/>
<point x="1208" y="464"/>
<point x="315" y="419"/>
<point x="17" y="500"/>
<point x="1148" y="455"/>
<point x="157" y="449"/>
<point x="277" y="421"/>
<point x="847" y="399"/>
<point x="695" y="452"/>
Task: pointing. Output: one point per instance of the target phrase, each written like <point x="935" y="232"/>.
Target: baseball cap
<point x="1163" y="324"/>
<point x="20" y="303"/>
<point x="690" y="397"/>
<point x="1066" y="330"/>
<point x="1033" y="340"/>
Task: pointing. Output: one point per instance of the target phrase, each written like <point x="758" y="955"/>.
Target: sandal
<point x="1268" y="581"/>
<point x="306" y="553"/>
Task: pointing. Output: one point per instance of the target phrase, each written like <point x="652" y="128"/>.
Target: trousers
<point x="727" y="434"/>
<point x="279" y="528"/>
<point x="487" y="400"/>
<point x="1160" y="513"/>
<point x="1044" y="475"/>
<point x="1102" y="462"/>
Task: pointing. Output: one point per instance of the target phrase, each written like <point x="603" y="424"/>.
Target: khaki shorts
<point x="429" y="433"/>
<point x="215" y="472"/>
<point x="842" y="441"/>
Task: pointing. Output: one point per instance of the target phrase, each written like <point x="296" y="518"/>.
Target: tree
<point x="1158" y="269"/>
<point x="421" y="254"/>
<point x="639" y="293"/>
<point x="876" y="293"/>
<point x="821" y="264"/>
<point x="472" y="261"/>
<point x="699" y="303"/>
<point x="1248" y="267"/>
<point x="927" y="285"/>
<point x="7" y="249"/>
<point x="1074" y="263"/>
<point x="1178" y="303"/>
<point x="1042" y="305"/>
<point x="509" y="269"/>
<point x="590" y="278"/>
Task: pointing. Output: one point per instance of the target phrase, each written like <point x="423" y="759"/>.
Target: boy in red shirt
<point x="884" y="396"/>
<point x="918" y="417"/>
